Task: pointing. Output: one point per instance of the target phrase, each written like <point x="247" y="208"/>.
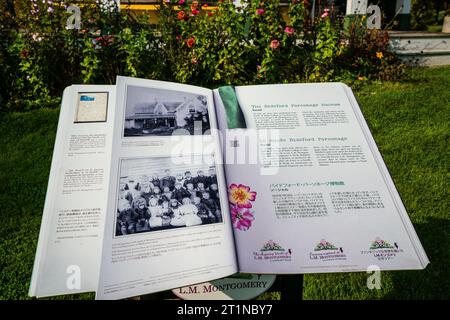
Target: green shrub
<point x="422" y="14"/>
<point x="367" y="54"/>
<point x="9" y="60"/>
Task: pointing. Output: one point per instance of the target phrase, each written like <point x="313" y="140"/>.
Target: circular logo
<point x="241" y="286"/>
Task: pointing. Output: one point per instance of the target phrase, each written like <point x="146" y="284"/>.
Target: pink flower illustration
<point x="241" y="218"/>
<point x="241" y="196"/>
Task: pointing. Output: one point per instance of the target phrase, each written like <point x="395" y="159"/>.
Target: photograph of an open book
<point x="157" y="185"/>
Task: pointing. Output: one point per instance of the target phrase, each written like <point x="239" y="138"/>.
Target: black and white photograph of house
<point x="161" y="112"/>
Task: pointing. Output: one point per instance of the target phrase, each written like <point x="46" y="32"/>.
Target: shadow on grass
<point x="434" y="281"/>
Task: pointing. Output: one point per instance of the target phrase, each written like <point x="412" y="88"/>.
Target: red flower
<point x="181" y="15"/>
<point x="260" y="12"/>
<point x="274" y="44"/>
<point x="24" y="53"/>
<point x="195" y="12"/>
<point x="210" y="13"/>
<point x="181" y="2"/>
<point x="205" y="5"/>
<point x="190" y="42"/>
<point x="104" y="40"/>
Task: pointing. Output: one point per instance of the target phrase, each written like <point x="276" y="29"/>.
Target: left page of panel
<point x="167" y="222"/>
<point x="68" y="252"/>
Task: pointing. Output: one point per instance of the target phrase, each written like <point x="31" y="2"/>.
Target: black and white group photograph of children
<point x="156" y="194"/>
<point x="161" y="112"/>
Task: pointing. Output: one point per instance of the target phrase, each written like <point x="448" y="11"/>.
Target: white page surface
<point x="161" y="253"/>
<point x="69" y="248"/>
<point x="323" y="200"/>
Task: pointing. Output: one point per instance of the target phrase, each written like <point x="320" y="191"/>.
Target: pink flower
<point x="259" y="12"/>
<point x="289" y="30"/>
<point x="50" y="10"/>
<point x="181" y="2"/>
<point x="240" y="195"/>
<point x="274" y="44"/>
<point x="325" y="13"/>
<point x="241" y="218"/>
<point x="195" y="12"/>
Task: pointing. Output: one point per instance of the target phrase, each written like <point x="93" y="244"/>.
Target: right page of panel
<point x="308" y="189"/>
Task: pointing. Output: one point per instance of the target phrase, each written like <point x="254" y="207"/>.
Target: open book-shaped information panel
<point x="158" y="185"/>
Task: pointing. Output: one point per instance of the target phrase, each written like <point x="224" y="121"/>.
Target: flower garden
<point x="196" y="43"/>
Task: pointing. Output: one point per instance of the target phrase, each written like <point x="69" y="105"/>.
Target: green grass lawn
<point x="435" y="28"/>
<point x="409" y="121"/>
